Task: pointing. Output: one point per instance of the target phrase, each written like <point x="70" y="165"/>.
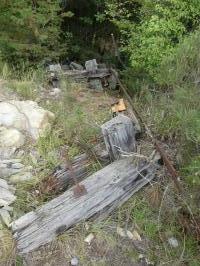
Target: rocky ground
<point x="22" y="123"/>
<point x="32" y="133"/>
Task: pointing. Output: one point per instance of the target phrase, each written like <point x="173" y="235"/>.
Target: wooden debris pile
<point x="108" y="188"/>
<point x="98" y="76"/>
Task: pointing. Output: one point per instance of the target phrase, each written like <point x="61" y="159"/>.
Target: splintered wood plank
<point x="81" y="167"/>
<point x="107" y="189"/>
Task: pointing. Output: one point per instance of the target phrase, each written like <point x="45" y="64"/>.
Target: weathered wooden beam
<point x="119" y="135"/>
<point x="107" y="189"/>
<point x="61" y="179"/>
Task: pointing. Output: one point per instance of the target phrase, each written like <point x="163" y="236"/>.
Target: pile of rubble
<point x="19" y="121"/>
<point x="98" y="76"/>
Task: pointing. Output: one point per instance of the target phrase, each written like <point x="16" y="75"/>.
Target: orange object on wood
<point x="118" y="106"/>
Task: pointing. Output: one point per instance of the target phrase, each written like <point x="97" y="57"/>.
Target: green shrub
<point x="151" y="29"/>
<point x="176" y="111"/>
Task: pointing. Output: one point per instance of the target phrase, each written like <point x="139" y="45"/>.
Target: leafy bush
<point x="151" y="29"/>
<point x="178" y="110"/>
<point x="183" y="66"/>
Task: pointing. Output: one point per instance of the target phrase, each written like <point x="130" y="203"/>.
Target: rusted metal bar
<point x="173" y="173"/>
<point x="79" y="189"/>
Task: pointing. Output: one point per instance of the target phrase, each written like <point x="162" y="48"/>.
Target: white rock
<point x="173" y="242"/>
<point x="121" y="232"/>
<point x="11" y="138"/>
<point x="55" y="92"/>
<point x="74" y="261"/>
<point x="25" y="115"/>
<point x="91" y="65"/>
<point x="131" y="235"/>
<point x="5" y="216"/>
<point x="21" y="177"/>
<point x="89" y="239"/>
<point x="134" y="235"/>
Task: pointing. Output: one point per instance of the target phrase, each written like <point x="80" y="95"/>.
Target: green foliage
<point x="24" y="88"/>
<point x="183" y="66"/>
<point x="29" y="30"/>
<point x="155" y="30"/>
<point x="192" y="172"/>
<point x="174" y="111"/>
<point x="181" y="72"/>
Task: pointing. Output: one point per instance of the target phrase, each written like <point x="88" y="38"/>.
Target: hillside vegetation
<point x="156" y="50"/>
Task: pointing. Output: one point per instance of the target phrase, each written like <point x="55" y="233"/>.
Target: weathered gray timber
<point x="103" y="76"/>
<point x="81" y="167"/>
<point x="107" y="189"/>
<point x="119" y="135"/>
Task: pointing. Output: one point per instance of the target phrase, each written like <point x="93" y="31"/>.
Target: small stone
<point x="134" y="235"/>
<point x="131" y="235"/>
<point x="141" y="256"/>
<point x="173" y="242"/>
<point x="37" y="192"/>
<point x="55" y="92"/>
<point x="121" y="232"/>
<point x="91" y="65"/>
<point x="21" y="177"/>
<point x="89" y="239"/>
<point x="74" y="261"/>
<point x="5" y="216"/>
<point x="87" y="227"/>
<point x="76" y="66"/>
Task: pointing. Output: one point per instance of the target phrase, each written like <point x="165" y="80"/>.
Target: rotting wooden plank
<point x="107" y="189"/>
<point x="81" y="166"/>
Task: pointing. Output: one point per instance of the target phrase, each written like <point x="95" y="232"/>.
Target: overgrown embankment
<point x="158" y="214"/>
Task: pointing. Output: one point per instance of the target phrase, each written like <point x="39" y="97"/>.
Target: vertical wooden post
<point x="119" y="136"/>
